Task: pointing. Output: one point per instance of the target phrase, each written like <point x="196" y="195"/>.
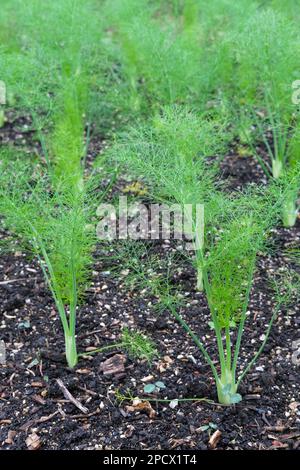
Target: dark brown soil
<point x="31" y="402"/>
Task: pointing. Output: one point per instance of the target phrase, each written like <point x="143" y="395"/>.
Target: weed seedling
<point x="154" y="388"/>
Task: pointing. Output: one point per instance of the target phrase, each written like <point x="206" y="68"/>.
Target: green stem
<point x="69" y="329"/>
<point x="289" y="212"/>
<point x="277" y="167"/>
<point x="71" y="350"/>
<point x="246" y="370"/>
<point x="99" y="350"/>
<point x="196" y="340"/>
<point x="228" y="347"/>
<point x="215" y="320"/>
<point x="227" y="388"/>
<point x="199" y="278"/>
<point x="51" y="281"/>
<point x="2" y="117"/>
<point x="200" y="236"/>
<point x="243" y="319"/>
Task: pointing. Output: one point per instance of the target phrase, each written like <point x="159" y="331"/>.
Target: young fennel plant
<point x="170" y="153"/>
<point x="262" y="92"/>
<point x="282" y="143"/>
<point x="157" y="60"/>
<point x="56" y="228"/>
<point x="228" y="271"/>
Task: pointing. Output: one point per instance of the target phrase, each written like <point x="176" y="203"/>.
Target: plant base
<point x="289" y="213"/>
<point x="2" y="118"/>
<point x="71" y="351"/>
<point x="199" y="280"/>
<point x="277" y="168"/>
<point x="227" y="389"/>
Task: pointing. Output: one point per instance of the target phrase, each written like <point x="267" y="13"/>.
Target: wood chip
<point x="184" y="441"/>
<point x="37" y="384"/>
<point x="214" y="439"/>
<point x="279" y="445"/>
<point x="114" y="365"/>
<point x="83" y="371"/>
<point x="10" y="281"/>
<point x="10" y="437"/>
<point x="294" y="405"/>
<point x="33" y="441"/>
<point x="279" y="428"/>
<point x="38" y="399"/>
<point x="253" y="396"/>
<point x="149" y="378"/>
<point x="85" y="416"/>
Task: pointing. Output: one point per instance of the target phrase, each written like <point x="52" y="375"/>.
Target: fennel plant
<point x="284" y="158"/>
<point x="56" y="228"/>
<point x="170" y="153"/>
<point x="228" y="273"/>
<point x="262" y="93"/>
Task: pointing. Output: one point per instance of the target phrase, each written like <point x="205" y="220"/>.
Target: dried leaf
<point x="138" y="405"/>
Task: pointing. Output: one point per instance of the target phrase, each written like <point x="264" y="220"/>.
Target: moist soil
<point x="34" y="412"/>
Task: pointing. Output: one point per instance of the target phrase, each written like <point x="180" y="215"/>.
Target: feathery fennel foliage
<point x="170" y="154"/>
<point x="55" y="226"/>
<point x="159" y="64"/>
<point x="264" y="68"/>
<point x="67" y="140"/>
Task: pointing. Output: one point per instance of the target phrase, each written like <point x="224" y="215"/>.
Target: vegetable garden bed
<point x="143" y="343"/>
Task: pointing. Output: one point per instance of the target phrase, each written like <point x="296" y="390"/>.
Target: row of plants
<point x="172" y="85"/>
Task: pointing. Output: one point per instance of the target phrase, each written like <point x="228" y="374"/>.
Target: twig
<point x="84" y="416"/>
<point x="276" y="428"/>
<point x="10" y="281"/>
<point x="70" y="397"/>
<point x="86" y="390"/>
<point x="33" y="422"/>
